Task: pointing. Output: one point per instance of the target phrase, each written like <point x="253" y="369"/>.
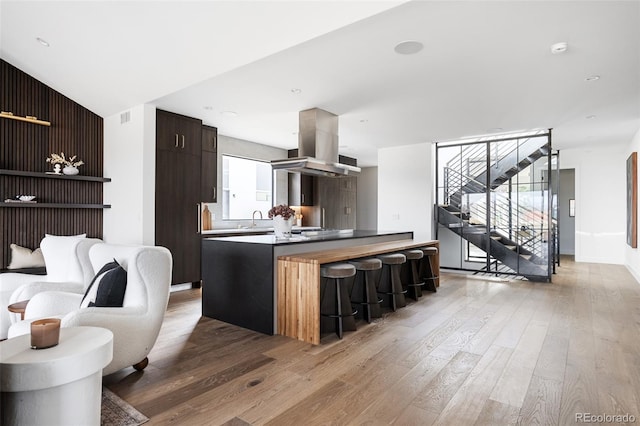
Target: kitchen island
<point x="241" y="279"/>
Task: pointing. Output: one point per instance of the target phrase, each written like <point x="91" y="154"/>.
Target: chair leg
<point x="142" y="364"/>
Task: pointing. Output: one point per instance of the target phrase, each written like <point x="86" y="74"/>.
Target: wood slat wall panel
<point x="25" y="146"/>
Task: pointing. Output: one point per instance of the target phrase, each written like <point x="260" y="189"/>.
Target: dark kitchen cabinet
<point x="209" y="168"/>
<point x="178" y="133"/>
<point x="301" y="186"/>
<point x="178" y="192"/>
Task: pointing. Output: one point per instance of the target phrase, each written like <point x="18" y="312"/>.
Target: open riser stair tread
<point x="532" y="268"/>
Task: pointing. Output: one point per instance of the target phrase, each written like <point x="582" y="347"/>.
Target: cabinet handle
<point x="214" y="193"/>
<point x="199" y="218"/>
<point x="215" y="142"/>
<point x="182" y="141"/>
<point x="176" y="140"/>
<point x="302" y="196"/>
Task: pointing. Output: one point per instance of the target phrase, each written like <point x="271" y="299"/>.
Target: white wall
<point x="129" y="160"/>
<point x="632" y="255"/>
<point x="367" y="199"/>
<point x="405" y="189"/>
<point x="600" y="202"/>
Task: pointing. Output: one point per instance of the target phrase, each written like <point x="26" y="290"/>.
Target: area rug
<point x="118" y="412"/>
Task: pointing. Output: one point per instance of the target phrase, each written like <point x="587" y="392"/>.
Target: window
<point x="246" y="186"/>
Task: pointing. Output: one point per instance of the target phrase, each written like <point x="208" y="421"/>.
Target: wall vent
<point x="125" y="117"/>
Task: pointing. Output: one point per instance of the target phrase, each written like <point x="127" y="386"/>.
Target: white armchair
<point x="136" y="325"/>
<point x="68" y="269"/>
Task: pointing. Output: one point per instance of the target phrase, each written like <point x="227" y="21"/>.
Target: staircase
<point x="516" y="235"/>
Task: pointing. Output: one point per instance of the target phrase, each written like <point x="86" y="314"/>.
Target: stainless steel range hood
<point x="317" y="147"/>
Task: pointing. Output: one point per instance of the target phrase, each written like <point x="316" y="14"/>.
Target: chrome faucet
<point x="253" y="218"/>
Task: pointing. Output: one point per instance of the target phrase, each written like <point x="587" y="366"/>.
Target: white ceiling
<point x="484" y="65"/>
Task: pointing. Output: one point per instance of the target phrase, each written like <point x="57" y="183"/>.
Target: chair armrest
<point x="52" y="303"/>
<point x="27" y="291"/>
<point x="112" y="318"/>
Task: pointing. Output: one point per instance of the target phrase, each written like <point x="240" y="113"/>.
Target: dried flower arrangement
<point x="61" y="159"/>
<point x="282" y="210"/>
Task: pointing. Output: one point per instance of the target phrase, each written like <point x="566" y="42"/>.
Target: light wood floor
<point x="476" y="352"/>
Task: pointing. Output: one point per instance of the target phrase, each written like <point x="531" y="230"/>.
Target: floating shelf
<point x="28" y="118"/>
<point x="56" y="205"/>
<point x="7" y="172"/>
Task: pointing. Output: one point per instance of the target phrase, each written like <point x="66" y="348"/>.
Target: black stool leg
<point x="339" y="309"/>
<point x="411" y="278"/>
<point x="391" y="286"/>
<point x="427" y="274"/>
<point x="396" y="285"/>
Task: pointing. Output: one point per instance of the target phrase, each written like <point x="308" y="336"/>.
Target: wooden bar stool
<point x="390" y="283"/>
<point x="427" y="270"/>
<point x="412" y="279"/>
<point x="335" y="302"/>
<point x="364" y="291"/>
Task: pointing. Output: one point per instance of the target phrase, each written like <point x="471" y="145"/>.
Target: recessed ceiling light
<point x="590" y="117"/>
<point x="364" y="120"/>
<point x="229" y="113"/>
<point x="592" y="78"/>
<point x="559" y="47"/>
<point x="42" y="41"/>
<point x="296" y="91"/>
<point x="408" y="47"/>
<point x="208" y="107"/>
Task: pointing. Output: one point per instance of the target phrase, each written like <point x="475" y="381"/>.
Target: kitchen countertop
<point x="306" y="237"/>
<point x="255" y="230"/>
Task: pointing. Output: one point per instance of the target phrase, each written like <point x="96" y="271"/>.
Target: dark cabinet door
<point x="300" y="186"/>
<point x="300" y="189"/>
<point x="167" y="208"/>
<point x="209" y="139"/>
<point x="209" y="190"/>
<point x="337" y="197"/>
<point x="167" y="137"/>
<point x="190" y="238"/>
<point x="190" y="130"/>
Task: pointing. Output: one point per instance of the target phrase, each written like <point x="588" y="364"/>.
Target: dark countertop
<point x="306" y="237"/>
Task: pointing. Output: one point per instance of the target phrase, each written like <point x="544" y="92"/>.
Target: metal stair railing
<point x="504" y="210"/>
<point x="475" y="156"/>
<point x="525" y="234"/>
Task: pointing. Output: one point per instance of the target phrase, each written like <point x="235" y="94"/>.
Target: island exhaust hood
<point x="317" y="147"/>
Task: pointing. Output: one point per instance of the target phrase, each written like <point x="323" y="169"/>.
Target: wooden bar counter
<point x="298" y="297"/>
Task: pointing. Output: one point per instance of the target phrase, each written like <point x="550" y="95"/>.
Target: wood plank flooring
<point x="476" y="352"/>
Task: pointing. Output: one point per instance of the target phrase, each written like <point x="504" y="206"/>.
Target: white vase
<point x="282" y="226"/>
<point x="70" y="170"/>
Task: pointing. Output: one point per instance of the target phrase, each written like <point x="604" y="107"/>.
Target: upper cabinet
<point x="178" y="133"/>
<point x="300" y="186"/>
<point x="209" y="179"/>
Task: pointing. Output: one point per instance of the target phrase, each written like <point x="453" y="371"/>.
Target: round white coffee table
<point x="61" y="385"/>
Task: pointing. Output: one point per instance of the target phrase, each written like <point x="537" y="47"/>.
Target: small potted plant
<point x="70" y="164"/>
<point x="283" y="217"/>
